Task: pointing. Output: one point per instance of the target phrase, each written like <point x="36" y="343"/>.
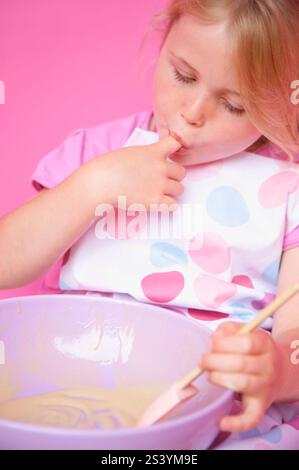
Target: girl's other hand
<point x="248" y="364"/>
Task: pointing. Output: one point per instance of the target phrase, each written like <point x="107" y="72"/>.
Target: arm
<point x="36" y="234"/>
<point x="285" y="331"/>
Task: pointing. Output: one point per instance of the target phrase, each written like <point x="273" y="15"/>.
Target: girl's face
<point x="196" y="94"/>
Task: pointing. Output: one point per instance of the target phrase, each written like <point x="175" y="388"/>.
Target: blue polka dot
<point x="251" y="433"/>
<point x="227" y="206"/>
<point x="270" y="274"/>
<point x="273" y="436"/>
<point x="242" y="313"/>
<point x="166" y="254"/>
<point x="244" y="317"/>
<point x="63" y="285"/>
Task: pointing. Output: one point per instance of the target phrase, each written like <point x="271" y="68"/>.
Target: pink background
<point x="66" y="64"/>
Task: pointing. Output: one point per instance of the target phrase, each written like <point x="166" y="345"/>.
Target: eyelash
<point x="181" y="78"/>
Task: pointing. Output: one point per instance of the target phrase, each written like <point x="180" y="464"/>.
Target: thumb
<point x="166" y="146"/>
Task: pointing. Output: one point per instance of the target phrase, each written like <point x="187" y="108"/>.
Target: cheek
<point x="231" y="137"/>
<point x="166" y="93"/>
<point x="165" y="101"/>
<point x="249" y="135"/>
<point x="240" y="133"/>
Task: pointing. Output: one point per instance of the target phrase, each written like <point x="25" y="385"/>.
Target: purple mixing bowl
<point x="55" y="342"/>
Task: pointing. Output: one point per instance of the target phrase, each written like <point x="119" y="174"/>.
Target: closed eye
<point x="182" y="78"/>
<point x="188" y="80"/>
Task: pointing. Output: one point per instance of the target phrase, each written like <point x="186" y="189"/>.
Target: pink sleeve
<point x="291" y="236"/>
<point x="269" y="149"/>
<point x="63" y="160"/>
<point x="79" y="147"/>
<point x="85" y="144"/>
<point x="291" y="240"/>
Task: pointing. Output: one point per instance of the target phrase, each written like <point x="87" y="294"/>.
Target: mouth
<point x="179" y="139"/>
<point x="181" y="151"/>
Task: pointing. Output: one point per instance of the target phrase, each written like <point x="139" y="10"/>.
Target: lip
<point x="181" y="151"/>
<point x="179" y="139"/>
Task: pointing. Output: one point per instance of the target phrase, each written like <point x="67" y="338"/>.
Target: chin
<point x="189" y="160"/>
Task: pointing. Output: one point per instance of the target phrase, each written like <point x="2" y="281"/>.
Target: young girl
<point x="225" y="123"/>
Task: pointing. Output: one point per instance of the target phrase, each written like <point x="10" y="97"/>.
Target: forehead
<point x="205" y="47"/>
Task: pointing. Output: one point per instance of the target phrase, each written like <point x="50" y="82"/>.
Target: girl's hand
<point x="141" y="173"/>
<point x="248" y="364"/>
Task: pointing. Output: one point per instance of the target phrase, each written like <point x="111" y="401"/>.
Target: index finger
<point x="167" y="146"/>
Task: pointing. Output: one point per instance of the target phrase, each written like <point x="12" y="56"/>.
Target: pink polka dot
<point x="210" y="251"/>
<point x="201" y="172"/>
<point x="243" y="280"/>
<point x="162" y="287"/>
<point x="259" y="304"/>
<point x="207" y="315"/>
<point x="294" y="423"/>
<point x="274" y="191"/>
<point x="262" y="446"/>
<point x="213" y="292"/>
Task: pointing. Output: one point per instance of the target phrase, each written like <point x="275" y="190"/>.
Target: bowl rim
<point x="226" y="397"/>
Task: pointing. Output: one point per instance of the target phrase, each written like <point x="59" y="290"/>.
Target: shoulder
<point x="84" y="144"/>
<point x="114" y="133"/>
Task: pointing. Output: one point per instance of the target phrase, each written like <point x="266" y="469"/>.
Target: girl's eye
<point x="188" y="80"/>
<point x="182" y="78"/>
<point x="232" y="109"/>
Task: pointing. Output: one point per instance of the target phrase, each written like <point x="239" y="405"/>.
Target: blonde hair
<point x="263" y="37"/>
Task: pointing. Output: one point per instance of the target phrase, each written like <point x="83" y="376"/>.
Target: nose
<point x="193" y="121"/>
<point x="194" y="117"/>
<point x="195" y="113"/>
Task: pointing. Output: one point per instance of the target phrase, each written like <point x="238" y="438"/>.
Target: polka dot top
<point x="216" y="258"/>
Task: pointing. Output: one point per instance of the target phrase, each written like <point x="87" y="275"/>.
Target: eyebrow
<point x="227" y="90"/>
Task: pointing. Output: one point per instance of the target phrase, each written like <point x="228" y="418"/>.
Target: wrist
<point x="94" y="184"/>
<point x="287" y="384"/>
